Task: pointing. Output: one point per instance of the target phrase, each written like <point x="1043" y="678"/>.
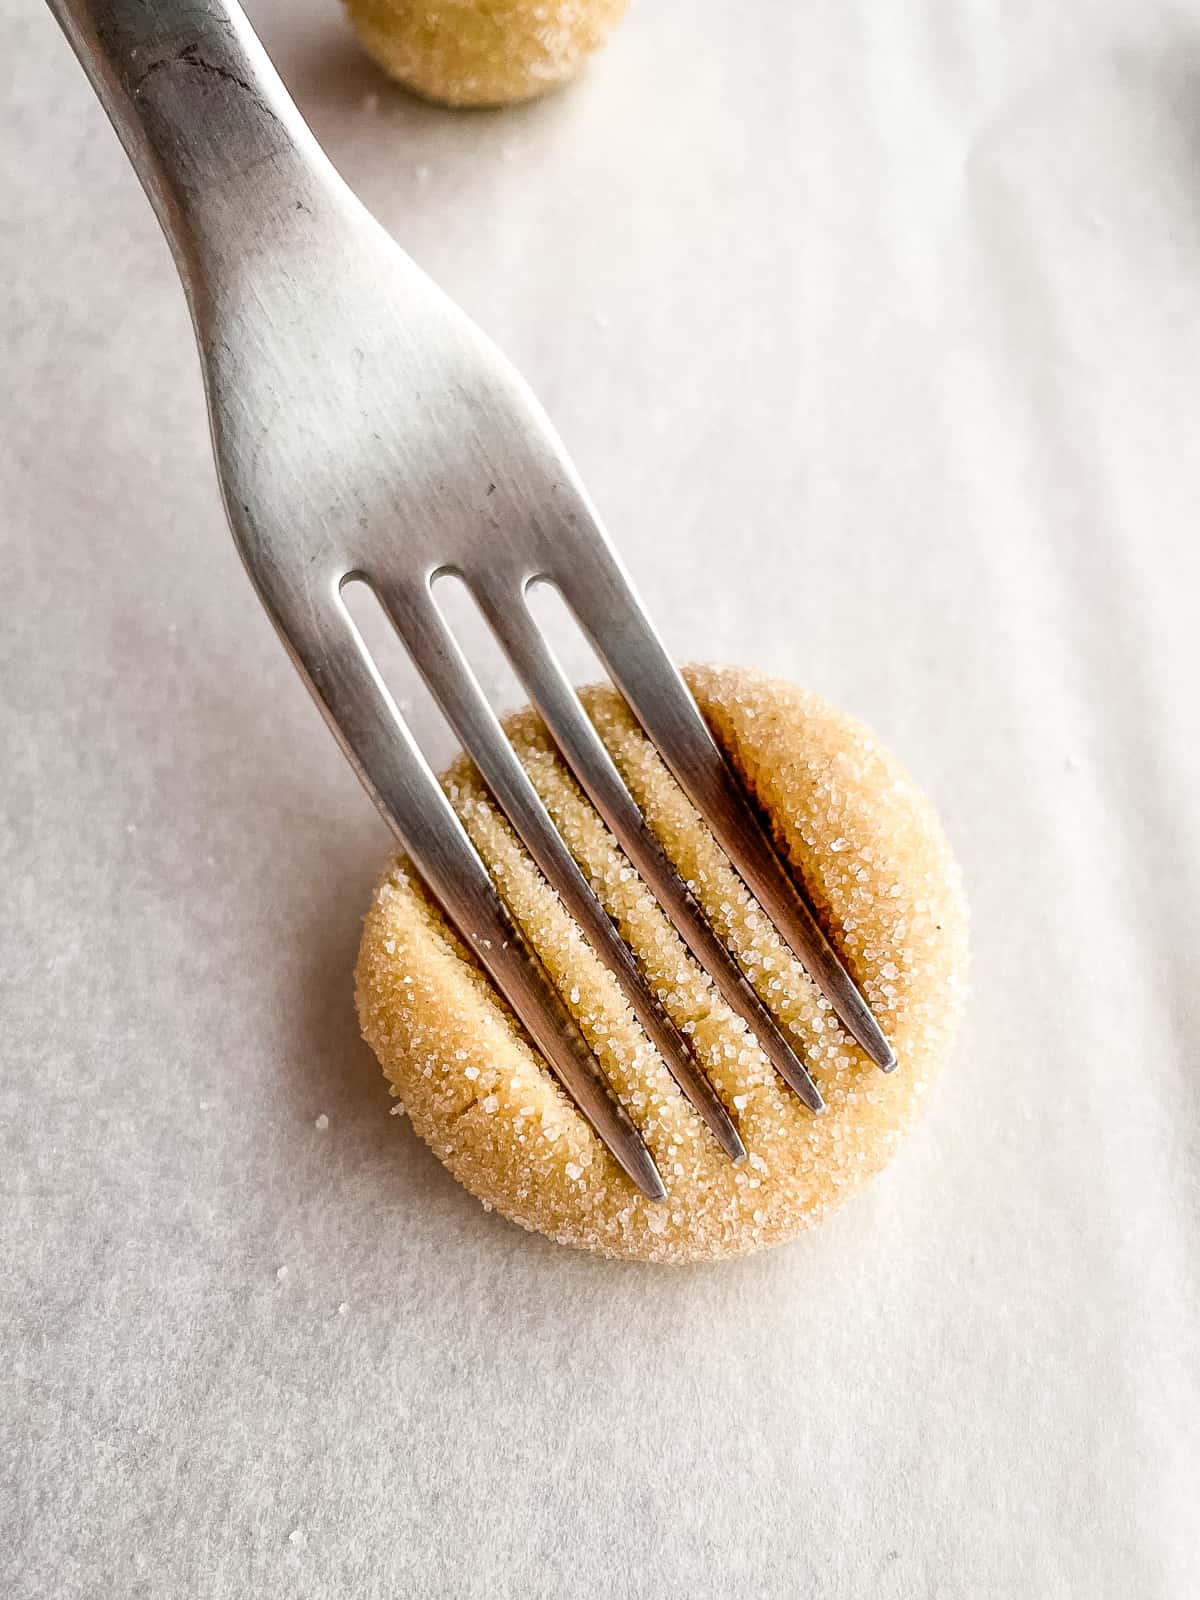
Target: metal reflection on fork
<point x="364" y="428"/>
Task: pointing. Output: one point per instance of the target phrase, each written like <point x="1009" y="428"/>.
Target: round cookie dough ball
<point x="483" y="52"/>
<point x="867" y="845"/>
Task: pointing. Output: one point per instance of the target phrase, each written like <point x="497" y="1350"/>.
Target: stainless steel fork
<point x="365" y="429"/>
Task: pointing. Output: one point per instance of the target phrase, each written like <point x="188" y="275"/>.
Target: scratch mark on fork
<point x="190" y="56"/>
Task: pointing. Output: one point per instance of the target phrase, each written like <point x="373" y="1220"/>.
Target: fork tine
<point x="604" y="603"/>
<point x="586" y="755"/>
<point x="435" y="652"/>
<point x="343" y="679"/>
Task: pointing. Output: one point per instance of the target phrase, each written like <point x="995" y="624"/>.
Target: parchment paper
<point x="875" y="330"/>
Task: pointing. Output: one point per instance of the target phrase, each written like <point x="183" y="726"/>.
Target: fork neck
<point x="224" y="155"/>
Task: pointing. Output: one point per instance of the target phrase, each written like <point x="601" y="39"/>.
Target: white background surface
<point x="876" y="332"/>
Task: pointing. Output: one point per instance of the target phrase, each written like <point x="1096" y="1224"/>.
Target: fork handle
<point x="228" y="162"/>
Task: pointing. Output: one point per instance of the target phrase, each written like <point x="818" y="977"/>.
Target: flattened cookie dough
<point x="483" y="52"/>
<point x="869" y="848"/>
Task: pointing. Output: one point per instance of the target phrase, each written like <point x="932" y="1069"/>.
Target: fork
<point x="365" y="430"/>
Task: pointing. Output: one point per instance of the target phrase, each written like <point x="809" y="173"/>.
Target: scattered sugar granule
<point x="322" y="1122"/>
<point x="281" y="1273"/>
<point x="490" y="1104"/>
<point x="296" y="1536"/>
<point x="343" y="1307"/>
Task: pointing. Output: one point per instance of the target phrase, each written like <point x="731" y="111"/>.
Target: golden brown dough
<point x="483" y="52"/>
<point x="869" y="847"/>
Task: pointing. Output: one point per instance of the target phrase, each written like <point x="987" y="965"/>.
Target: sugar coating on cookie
<point x="483" y="52"/>
<point x="868" y="846"/>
